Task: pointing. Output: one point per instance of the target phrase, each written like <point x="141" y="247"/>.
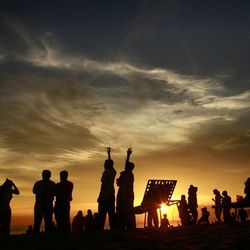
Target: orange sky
<point x="168" y="78"/>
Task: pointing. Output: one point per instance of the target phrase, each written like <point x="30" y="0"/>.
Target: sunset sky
<point x="170" y="79"/>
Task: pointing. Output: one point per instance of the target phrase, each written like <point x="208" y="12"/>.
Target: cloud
<point x="104" y="101"/>
<point x="236" y="102"/>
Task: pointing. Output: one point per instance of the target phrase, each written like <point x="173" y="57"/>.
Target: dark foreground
<point x="193" y="237"/>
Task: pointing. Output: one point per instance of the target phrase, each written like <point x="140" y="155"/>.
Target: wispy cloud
<point x="237" y="102"/>
<point x="142" y="110"/>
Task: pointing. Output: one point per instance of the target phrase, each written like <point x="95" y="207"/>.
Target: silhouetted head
<point x="192" y="189"/>
<point x="248" y="180"/>
<point x="79" y="213"/>
<point x="46" y="174"/>
<point x="224" y="193"/>
<point x="96" y="215"/>
<point x="183" y="197"/>
<point x="216" y="191"/>
<point x="89" y="212"/>
<point x="8" y="183"/>
<point x="130" y="166"/>
<point x="204" y="209"/>
<point x="64" y="175"/>
<point x="165" y="216"/>
<point x="109" y="163"/>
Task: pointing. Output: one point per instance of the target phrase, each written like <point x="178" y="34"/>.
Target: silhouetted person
<point x="106" y="199"/>
<point x="243" y="216"/>
<point x="153" y="217"/>
<point x="44" y="191"/>
<point x="165" y="222"/>
<point x="247" y="189"/>
<point x="192" y="202"/>
<point x="125" y="195"/>
<point x="218" y="202"/>
<point x="29" y="230"/>
<point x="226" y="203"/>
<point x="204" y="216"/>
<point x="89" y="220"/>
<point x="63" y="193"/>
<point x="78" y="223"/>
<point x="6" y="190"/>
<point x="184" y="211"/>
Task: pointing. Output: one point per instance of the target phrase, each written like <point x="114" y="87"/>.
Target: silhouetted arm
<point x="35" y="188"/>
<point x="15" y="189"/>
<point x="129" y="152"/>
<point x="109" y="152"/>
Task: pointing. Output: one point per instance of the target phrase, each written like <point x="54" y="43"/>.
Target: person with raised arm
<point x="6" y="190"/>
<point x="106" y="199"/>
<point x="125" y="196"/>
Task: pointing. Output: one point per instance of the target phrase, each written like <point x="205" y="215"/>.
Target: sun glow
<point x="164" y="208"/>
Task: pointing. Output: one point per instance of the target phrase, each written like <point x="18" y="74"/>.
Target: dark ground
<point x="192" y="237"/>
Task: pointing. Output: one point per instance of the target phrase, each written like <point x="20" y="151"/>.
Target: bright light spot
<point x="164" y="208"/>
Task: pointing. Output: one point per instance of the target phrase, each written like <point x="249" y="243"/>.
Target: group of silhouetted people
<point x="120" y="208"/>
<point x="188" y="212"/>
<point x="120" y="216"/>
<point x="223" y="205"/>
<point x="45" y="190"/>
<point x="90" y="222"/>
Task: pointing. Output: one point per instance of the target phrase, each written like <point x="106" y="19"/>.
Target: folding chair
<point x="156" y="193"/>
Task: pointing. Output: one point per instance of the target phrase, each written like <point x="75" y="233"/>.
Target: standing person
<point x="63" y="193"/>
<point x="217" y="201"/>
<point x="153" y="217"/>
<point x="6" y="190"/>
<point x="44" y="191"/>
<point x="192" y="203"/>
<point x="125" y="195"/>
<point x="184" y="211"/>
<point x="226" y="204"/>
<point x="106" y="199"/>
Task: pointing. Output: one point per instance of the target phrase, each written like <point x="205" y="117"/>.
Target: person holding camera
<point x="6" y="190"/>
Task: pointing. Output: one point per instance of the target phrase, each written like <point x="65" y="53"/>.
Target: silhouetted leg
<point x="5" y="223"/>
<point x="153" y="216"/>
<point x="111" y="213"/>
<point x="48" y="212"/>
<point x="150" y="219"/>
<point x="130" y="220"/>
<point x="38" y="216"/>
<point x="57" y="218"/>
<point x="102" y="210"/>
<point x="155" y="219"/>
<point x="66" y="218"/>
<point x="194" y="213"/>
<point x="122" y="219"/>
